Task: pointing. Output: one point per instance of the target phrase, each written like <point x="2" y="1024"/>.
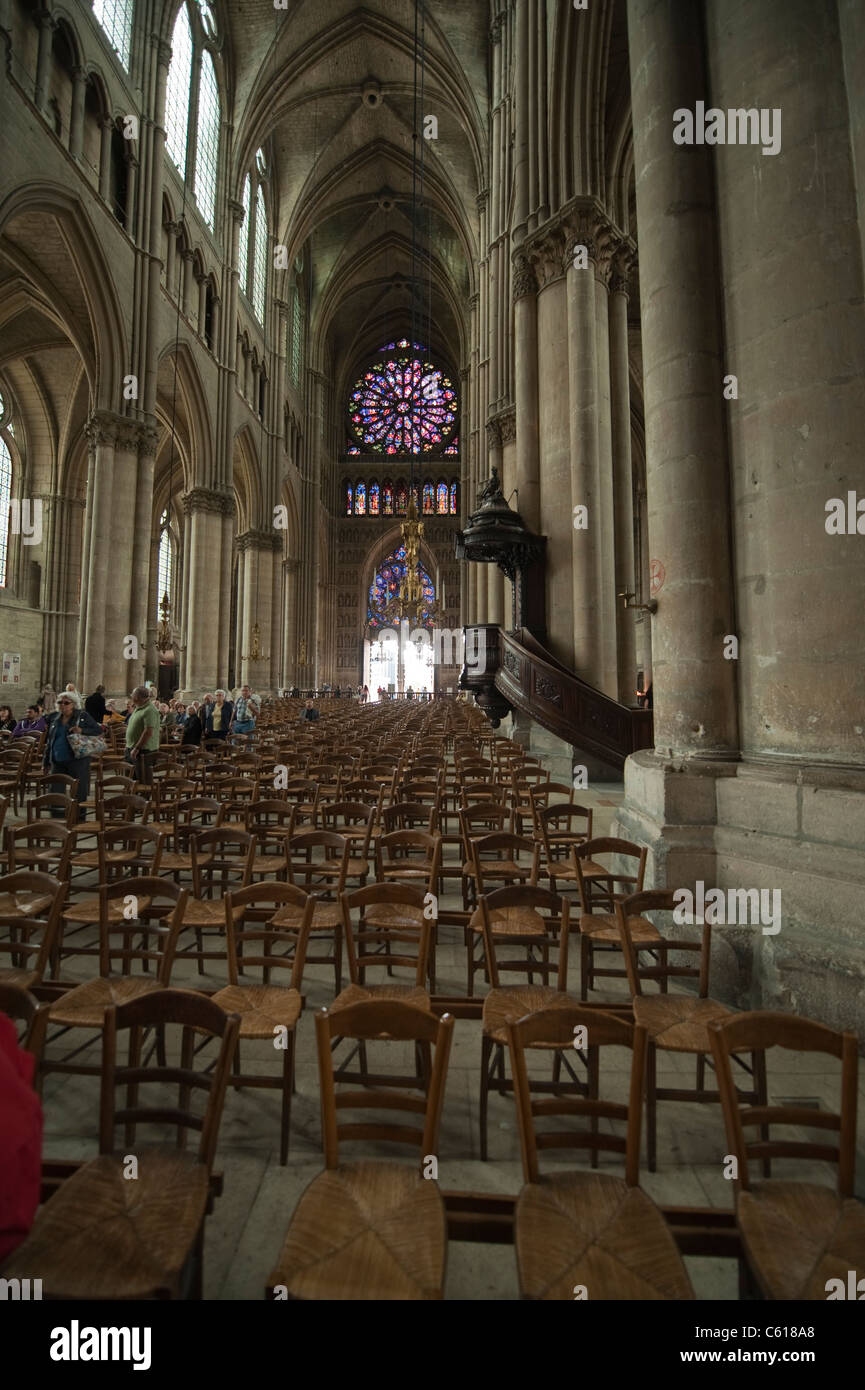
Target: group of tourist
<point x="75" y="727"/>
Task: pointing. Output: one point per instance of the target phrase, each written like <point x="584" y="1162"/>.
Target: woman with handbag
<point x="73" y="739"/>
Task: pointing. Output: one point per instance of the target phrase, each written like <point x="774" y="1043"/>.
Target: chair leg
<point x="758" y="1062"/>
<point x="594" y="1085"/>
<point x="287" y="1088"/>
<point x="585" y="965"/>
<point x="701" y="1074"/>
<point x="651" y="1105"/>
<point x="486" y="1051"/>
<point x="235" y="1066"/>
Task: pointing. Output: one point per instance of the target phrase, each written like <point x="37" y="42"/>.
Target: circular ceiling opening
<point x="371" y="94"/>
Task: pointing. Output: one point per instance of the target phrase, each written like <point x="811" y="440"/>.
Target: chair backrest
<point x="367" y="1021"/>
<point x="547" y="925"/>
<point x="330" y="865"/>
<point x="355" y="816"/>
<point x="137" y="932"/>
<point x="254" y="940"/>
<point x="28" y="934"/>
<point x="221" y="858"/>
<point x="195" y="1014"/>
<point x="602" y="892"/>
<point x="490" y="852"/>
<point x="270" y="821"/>
<point x="23" y="1007"/>
<point x="564" y="819"/>
<point x="123" y="808"/>
<point x="378" y="947"/>
<point x="49" y="839"/>
<point x="414" y="852"/>
<point x="661" y="900"/>
<point x="483" y="818"/>
<point x="567" y="1028"/>
<point x="191" y="817"/>
<point x="756" y="1032"/>
<point x="409" y="815"/>
<point x="41" y="807"/>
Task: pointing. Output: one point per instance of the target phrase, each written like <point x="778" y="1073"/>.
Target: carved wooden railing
<point x="527" y="677"/>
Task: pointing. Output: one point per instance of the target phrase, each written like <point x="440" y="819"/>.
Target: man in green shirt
<point x="142" y="735"/>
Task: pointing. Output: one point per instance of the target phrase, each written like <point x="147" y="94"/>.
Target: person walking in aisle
<point x="142" y="735"/>
<point x="59" y="755"/>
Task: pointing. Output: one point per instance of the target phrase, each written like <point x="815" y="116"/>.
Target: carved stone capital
<point x="101" y="428"/>
<point x="163" y="53"/>
<point x="548" y="255"/>
<point x="205" y="499"/>
<point x="523" y="278"/>
<point x="589" y="226"/>
<point x="255" y="539"/>
<point x="494" y="433"/>
<point x="148" y="444"/>
<point x="237" y="210"/>
<point x="496" y="28"/>
<point x="507" y="421"/>
<point x="127" y="435"/>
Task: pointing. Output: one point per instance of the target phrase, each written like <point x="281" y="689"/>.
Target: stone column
<point x="152" y="191"/>
<point x="605" y="573"/>
<point x="547" y="253"/>
<point x="623" y="482"/>
<point x="76" y="119"/>
<point x="525" y="296"/>
<point x="188" y="283"/>
<point x="46" y="23"/>
<point x="143" y="548"/>
<point x="289" y="621"/>
<point x="686" y="457"/>
<point x="796" y="343"/>
<point x="584" y="443"/>
<point x="107" y="128"/>
<point x="202" y="302"/>
<point x="102" y="434"/>
<point x="207" y="509"/>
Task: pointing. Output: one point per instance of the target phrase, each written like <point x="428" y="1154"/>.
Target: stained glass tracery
<point x="387" y="499"/>
<point x="442" y="498"/>
<point x="403" y="404"/>
<point x="360" y="500"/>
<point x="428" y="503"/>
<point x="385" y="586"/>
<point x="372" y="499"/>
<point x="454" y="500"/>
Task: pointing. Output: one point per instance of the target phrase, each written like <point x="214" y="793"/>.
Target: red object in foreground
<point x="20" y="1141"/>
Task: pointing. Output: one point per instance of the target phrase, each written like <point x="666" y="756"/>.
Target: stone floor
<point x="246" y="1231"/>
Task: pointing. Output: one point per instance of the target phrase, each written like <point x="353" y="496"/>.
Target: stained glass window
<point x="415" y="493"/>
<point x="454" y="500"/>
<point x="259" y="256"/>
<point x="401" y="498"/>
<point x="360" y="500"/>
<point x="348" y="499"/>
<point x="402" y="343"/>
<point x="387" y="499"/>
<point x="243" y="249"/>
<point x="164" y="564"/>
<point x="177" y="91"/>
<point x="387" y="580"/>
<point x="352" y="449"/>
<point x="5" y="496"/>
<point x="403" y="404"/>
<point x="373" y="499"/>
<point x="453" y="447"/>
<point x="115" y="17"/>
<point x="428" y="503"/>
<point x="207" y="146"/>
<point x="442" y="498"/>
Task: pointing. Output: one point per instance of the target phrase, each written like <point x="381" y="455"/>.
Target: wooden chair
<point x="599" y="888"/>
<point x="54" y="805"/>
<point x="136" y="919"/>
<point x="22" y="1007"/>
<point x="318" y="863"/>
<point x="538" y="925"/>
<point x="355" y="821"/>
<point x="586" y="1229"/>
<point x="44" y="846"/>
<point x="383" y="938"/>
<point x="103" y="1236"/>
<point x="562" y="826"/>
<point x="479" y="819"/>
<point x="189" y="818"/>
<point x="270" y="821"/>
<point x="268" y="1013"/>
<point x="796" y="1236"/>
<point x="674" y="1022"/>
<point x="409" y="815"/>
<point x="539" y="797"/>
<point x="371" y="1230"/>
